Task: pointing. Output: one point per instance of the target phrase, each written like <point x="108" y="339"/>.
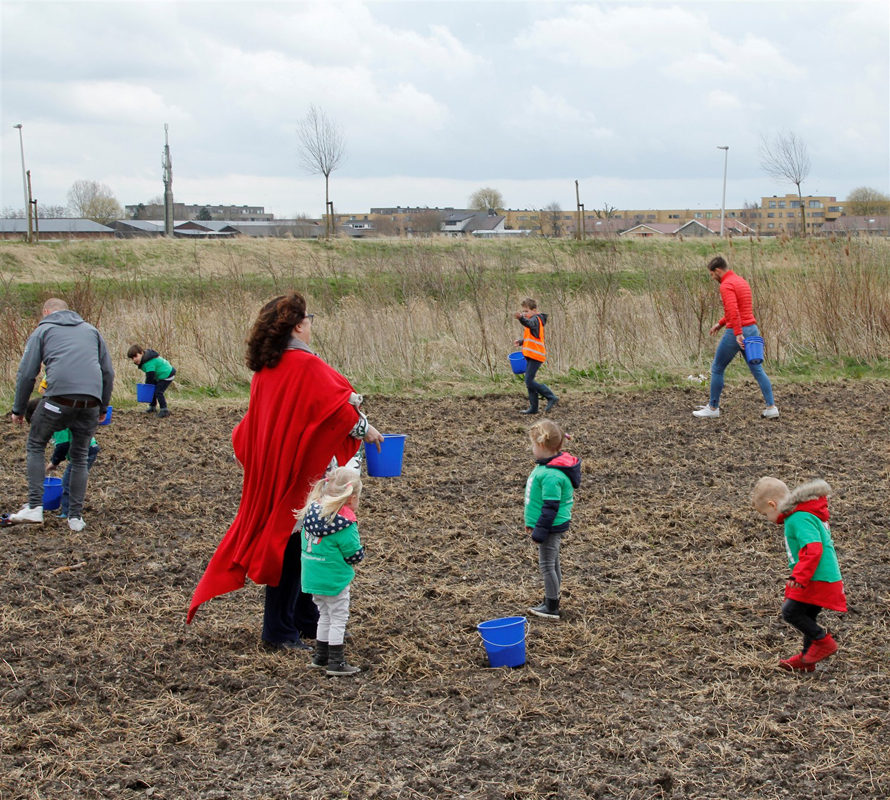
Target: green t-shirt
<point x="160" y="366"/>
<point x="548" y="483"/>
<point x="802" y="528"/>
<point x="64" y="435"/>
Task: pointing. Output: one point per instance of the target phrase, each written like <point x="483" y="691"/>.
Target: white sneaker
<point x="76" y="524"/>
<point x="770" y="412"/>
<point x="28" y="514"/>
<point x="706" y="411"/>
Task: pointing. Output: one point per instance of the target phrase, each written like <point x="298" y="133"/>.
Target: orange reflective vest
<point x="533" y="346"/>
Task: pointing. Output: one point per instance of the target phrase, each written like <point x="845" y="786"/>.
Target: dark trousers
<point x="535" y="388"/>
<point x="160" y="388"/>
<point x="289" y="614"/>
<point x="803" y="617"/>
<point x="48" y="418"/>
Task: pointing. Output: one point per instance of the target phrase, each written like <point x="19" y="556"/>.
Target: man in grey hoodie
<point x="79" y="380"/>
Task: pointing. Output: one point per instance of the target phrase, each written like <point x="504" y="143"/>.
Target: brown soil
<point x="661" y="681"/>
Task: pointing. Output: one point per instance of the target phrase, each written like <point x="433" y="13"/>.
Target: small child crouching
<point x="815" y="582"/>
<point x="330" y="547"/>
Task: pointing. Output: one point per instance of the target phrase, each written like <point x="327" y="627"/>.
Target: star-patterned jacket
<point x="330" y="547"/>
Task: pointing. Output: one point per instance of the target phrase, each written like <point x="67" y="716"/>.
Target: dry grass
<point x="400" y="314"/>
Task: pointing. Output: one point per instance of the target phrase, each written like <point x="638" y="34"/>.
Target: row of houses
<point x="425" y="222"/>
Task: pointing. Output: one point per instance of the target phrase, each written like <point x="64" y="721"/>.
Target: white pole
<point x="25" y="181"/>
<point x="725" y="149"/>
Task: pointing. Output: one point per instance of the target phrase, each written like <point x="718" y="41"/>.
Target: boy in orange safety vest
<point x="535" y="353"/>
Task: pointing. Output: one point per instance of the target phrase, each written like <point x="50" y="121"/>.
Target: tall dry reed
<point x="407" y="313"/>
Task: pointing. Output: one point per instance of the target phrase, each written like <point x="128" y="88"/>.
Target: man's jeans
<point x="48" y="418"/>
<point x="727" y="350"/>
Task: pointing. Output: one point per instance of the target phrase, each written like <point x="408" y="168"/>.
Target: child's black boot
<point x="337" y="662"/>
<point x="549" y="609"/>
<point x="320" y="659"/>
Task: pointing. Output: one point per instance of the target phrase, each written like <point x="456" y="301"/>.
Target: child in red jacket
<point x="815" y="581"/>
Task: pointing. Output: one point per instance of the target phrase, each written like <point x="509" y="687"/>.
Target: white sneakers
<point x="76" y="524"/>
<point x="28" y="514"/>
<point x="770" y="412"/>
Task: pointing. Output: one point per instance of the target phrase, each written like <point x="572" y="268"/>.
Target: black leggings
<point x="803" y="617"/>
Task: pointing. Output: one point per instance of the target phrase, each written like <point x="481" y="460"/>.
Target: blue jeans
<point x="534" y="388"/>
<point x="726" y="352"/>
<point x="66" y="479"/>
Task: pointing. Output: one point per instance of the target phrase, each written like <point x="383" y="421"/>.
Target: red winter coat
<point x="299" y="417"/>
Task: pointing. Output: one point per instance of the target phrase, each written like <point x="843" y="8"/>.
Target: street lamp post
<point x="25" y="181"/>
<point x="725" y="149"/>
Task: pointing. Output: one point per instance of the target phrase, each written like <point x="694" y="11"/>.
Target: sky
<point x="437" y="99"/>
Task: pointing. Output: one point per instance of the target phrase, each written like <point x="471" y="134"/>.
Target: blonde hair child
<point x="331" y="547"/>
<point x="549" y="496"/>
<point x="815" y="581"/>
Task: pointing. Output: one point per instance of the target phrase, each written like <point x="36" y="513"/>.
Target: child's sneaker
<point x="821" y="648"/>
<point x="796" y="664"/>
<point x="549" y="609"/>
<point x="28" y="514"/>
<point x="63" y="515"/>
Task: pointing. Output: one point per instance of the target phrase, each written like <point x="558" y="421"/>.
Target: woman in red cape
<point x="302" y="415"/>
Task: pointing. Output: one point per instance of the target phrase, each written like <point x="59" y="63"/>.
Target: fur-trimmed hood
<point x="812" y="490"/>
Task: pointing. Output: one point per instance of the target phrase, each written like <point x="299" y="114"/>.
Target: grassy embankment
<point x="435" y="316"/>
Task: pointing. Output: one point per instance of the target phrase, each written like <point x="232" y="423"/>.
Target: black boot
<point x="320" y="659"/>
<point x="549" y="609"/>
<point x="337" y="662"/>
<point x="529" y="411"/>
<point x="551" y="401"/>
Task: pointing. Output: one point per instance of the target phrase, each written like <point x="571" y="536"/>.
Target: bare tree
<point x="785" y="158"/>
<point x="606" y="212"/>
<point x="52" y="212"/>
<point x="486" y="198"/>
<point x="321" y="152"/>
<point x="95" y="201"/>
<point x="426" y="222"/>
<point x="552" y="213"/>
<point x="865" y="201"/>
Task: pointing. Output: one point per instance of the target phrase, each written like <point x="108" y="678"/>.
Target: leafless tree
<point x="864" y="201"/>
<point x="321" y="152"/>
<point x="486" y="198"/>
<point x="426" y="222"/>
<point x="606" y="212"/>
<point x="552" y="213"/>
<point x="95" y="201"/>
<point x="785" y="158"/>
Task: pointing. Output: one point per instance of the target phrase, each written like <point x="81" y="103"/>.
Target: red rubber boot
<point x="821" y="648"/>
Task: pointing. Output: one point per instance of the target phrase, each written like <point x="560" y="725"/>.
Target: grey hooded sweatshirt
<point x="76" y="360"/>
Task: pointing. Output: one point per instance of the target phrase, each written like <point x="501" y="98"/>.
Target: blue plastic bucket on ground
<point x="106" y="420"/>
<point x="518" y="363"/>
<point x="145" y="392"/>
<point x="754" y="349"/>
<point x="504" y="641"/>
<point x="52" y="494"/>
<point x="388" y="462"/>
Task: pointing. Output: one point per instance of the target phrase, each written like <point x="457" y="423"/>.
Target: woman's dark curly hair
<point x="273" y="329"/>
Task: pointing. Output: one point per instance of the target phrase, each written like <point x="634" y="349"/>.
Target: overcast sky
<point x="436" y="99"/>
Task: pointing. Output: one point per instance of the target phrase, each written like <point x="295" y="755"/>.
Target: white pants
<point x="333" y="612"/>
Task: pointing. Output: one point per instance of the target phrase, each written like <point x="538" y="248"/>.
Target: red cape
<point x="299" y="417"/>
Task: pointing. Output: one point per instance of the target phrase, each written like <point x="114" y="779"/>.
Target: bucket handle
<point x="498" y="644"/>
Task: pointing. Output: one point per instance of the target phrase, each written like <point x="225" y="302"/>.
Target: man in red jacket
<point x="738" y="317"/>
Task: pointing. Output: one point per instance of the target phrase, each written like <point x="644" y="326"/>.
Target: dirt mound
<point x="660" y="681"/>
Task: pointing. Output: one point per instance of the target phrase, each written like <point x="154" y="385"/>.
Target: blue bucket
<point x="106" y="420"/>
<point x="504" y="641"/>
<point x="518" y="363"/>
<point x="145" y="392"/>
<point x="754" y="349"/>
<point x="52" y="494"/>
<point x="388" y="462"/>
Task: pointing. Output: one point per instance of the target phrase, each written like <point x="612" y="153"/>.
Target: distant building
<point x="868" y="225"/>
<point x="57" y="228"/>
<point x="155" y="211"/>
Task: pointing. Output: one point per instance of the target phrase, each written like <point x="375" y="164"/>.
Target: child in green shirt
<point x="549" y="496"/>
<point x="330" y="547"/>
<point x="158" y="371"/>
